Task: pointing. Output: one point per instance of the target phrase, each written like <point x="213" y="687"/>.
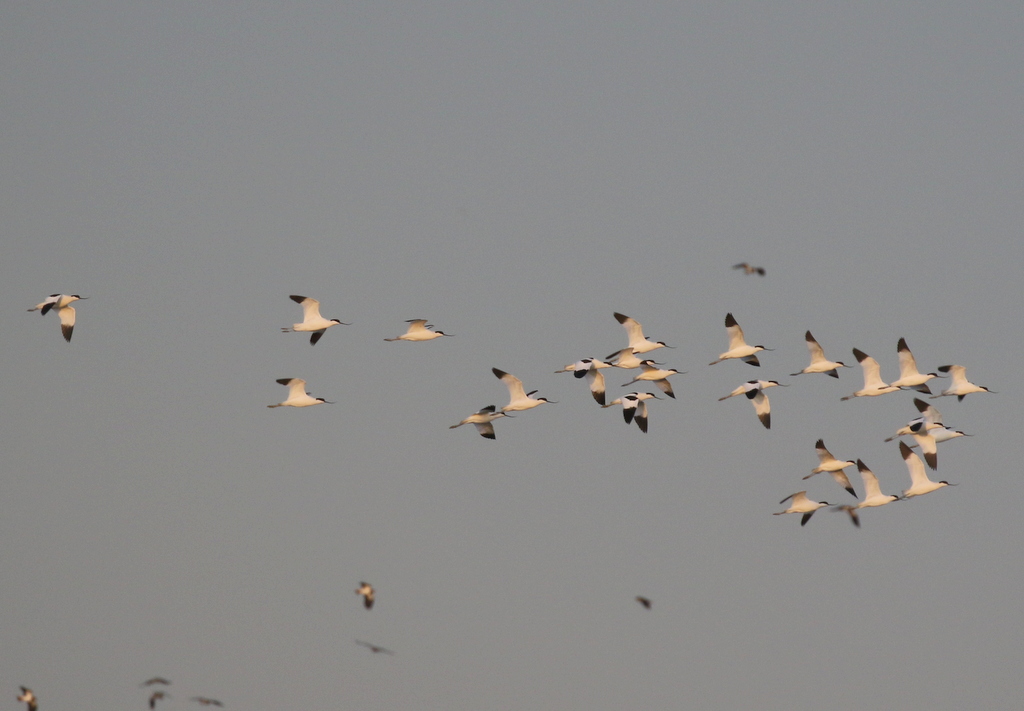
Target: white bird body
<point x="297" y="395"/>
<point x="919" y="482"/>
<point x="595" y="379"/>
<point x="650" y="373"/>
<point x="802" y="505"/>
<point x="312" y="321"/>
<point x="828" y="463"/>
<point x="929" y="420"/>
<point x="873" y="495"/>
<point x="962" y="387"/>
<point x="66" y="312"/>
<point x="910" y="378"/>
<point x="637" y="341"/>
<point x="419" y="330"/>
<point x="368" y="594"/>
<point x="634" y="408"/>
<point x="738" y="347"/>
<point x="580" y="367"/>
<point x="482" y="419"/>
<point x="926" y="442"/>
<point x="873" y="383"/>
<point x="944" y="434"/>
<point x="754" y="390"/>
<point x="819" y="364"/>
<point x="519" y="399"/>
<point x="625" y="359"/>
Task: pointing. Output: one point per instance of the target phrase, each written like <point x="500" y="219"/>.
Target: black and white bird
<point x="873" y="495"/>
<point x="929" y="420"/>
<point x="519" y="399"/>
<point x="625" y="359"/>
<point x="749" y="269"/>
<point x="754" y="390"/>
<point x="919" y="482"/>
<point x="368" y="593"/>
<point x="206" y="701"/>
<point x="31" y="702"/>
<point x="828" y="463"/>
<point x="312" y="321"/>
<point x="637" y="341"/>
<point x="297" y="395"/>
<point x="802" y="505"/>
<point x="820" y="364"/>
<point x="157" y="696"/>
<point x="482" y="419"/>
<point x="66" y="312"/>
<point x="738" y="347"/>
<point x="650" y="373"/>
<point x="961" y="387"/>
<point x="634" y="408"/>
<point x="419" y="330"/>
<point x="873" y="383"/>
<point x="910" y="378"/>
<point x="579" y="368"/>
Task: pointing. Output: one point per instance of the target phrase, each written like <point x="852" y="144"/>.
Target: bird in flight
<point x="373" y="647"/>
<point x="482" y="419"/>
<point x="419" y="330"/>
<point x="155" y="680"/>
<point x="206" y="701"/>
<point x="156" y="696"/>
<point x="312" y="321"/>
<point x="297" y="395"/>
<point x="29" y="698"/>
<point x="646" y="602"/>
<point x="368" y="593"/>
<point x="748" y="269"/>
<point x="66" y="312"/>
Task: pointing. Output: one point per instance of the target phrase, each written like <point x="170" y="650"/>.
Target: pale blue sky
<point x="515" y="173"/>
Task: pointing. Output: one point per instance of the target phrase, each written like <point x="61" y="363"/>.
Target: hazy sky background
<point x="514" y="172"/>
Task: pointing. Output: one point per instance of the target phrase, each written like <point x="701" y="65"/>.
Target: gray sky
<point x="515" y="173"/>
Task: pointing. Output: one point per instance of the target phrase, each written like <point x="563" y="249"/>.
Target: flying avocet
<point x="519" y="399"/>
<point x="802" y="505"/>
<point x="926" y="442"/>
<point x="818" y="362"/>
<point x="419" y="330"/>
<point x="873" y="383"/>
<point x="580" y="367"/>
<point x="66" y="312"/>
<point x="929" y="420"/>
<point x="650" y="373"/>
<point x="873" y="495"/>
<point x="482" y="419"/>
<point x="919" y="482"/>
<point x="625" y="359"/>
<point x="373" y="647"/>
<point x="634" y="408"/>
<point x="29" y="698"/>
<point x="828" y="463"/>
<point x="754" y="390"/>
<point x="157" y="696"/>
<point x="297" y="395"/>
<point x="738" y="347"/>
<point x="637" y="341"/>
<point x="312" y="321"/>
<point x="962" y="387"/>
<point x="910" y="378"/>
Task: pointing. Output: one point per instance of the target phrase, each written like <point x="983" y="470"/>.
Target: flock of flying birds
<point x="927" y="429"/>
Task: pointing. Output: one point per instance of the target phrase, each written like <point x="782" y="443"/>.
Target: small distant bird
<point x="828" y="463"/>
<point x="738" y="347"/>
<point x="873" y="383"/>
<point x="419" y="330"/>
<point x="373" y="647"/>
<point x="754" y="390"/>
<point x="802" y="505"/>
<point x="482" y="420"/>
<point x="29" y="698"/>
<point x="962" y="387"/>
<point x="637" y="341"/>
<point x="311" y="319"/>
<point x="297" y="395"/>
<point x="651" y="374"/>
<point x="910" y="378"/>
<point x="646" y="602"/>
<point x="157" y="696"/>
<point x="206" y="702"/>
<point x="919" y="482"/>
<point x="66" y="312"/>
<point x="819" y="364"/>
<point x="748" y="270"/>
<point x="873" y="495"/>
<point x="634" y="408"/>
<point x="519" y="399"/>
<point x="155" y="680"/>
<point x="368" y="593"/>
